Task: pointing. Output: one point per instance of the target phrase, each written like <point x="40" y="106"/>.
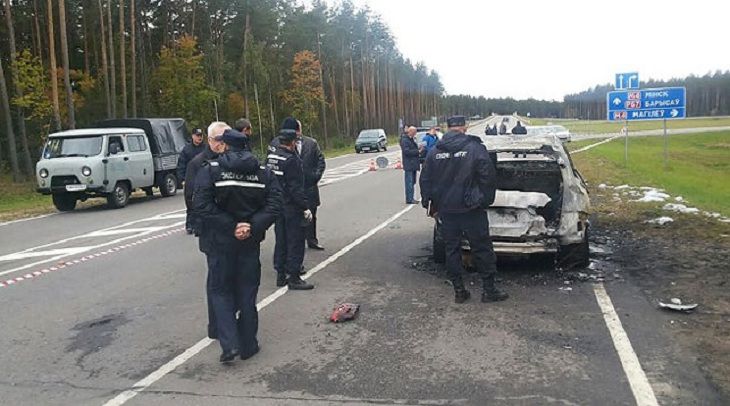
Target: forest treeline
<point x="69" y="63"/>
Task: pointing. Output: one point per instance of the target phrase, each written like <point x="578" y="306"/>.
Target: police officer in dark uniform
<point x="237" y="201"/>
<point x="457" y="186"/>
<point x="290" y="226"/>
<point x="189" y="151"/>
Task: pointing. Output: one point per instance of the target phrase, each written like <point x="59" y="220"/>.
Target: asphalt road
<point x="108" y="307"/>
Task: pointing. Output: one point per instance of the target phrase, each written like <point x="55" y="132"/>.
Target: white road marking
<point x="5" y="223"/>
<point x="587" y="147"/>
<point x="640" y="386"/>
<point x="170" y="366"/>
<point x="50" y="253"/>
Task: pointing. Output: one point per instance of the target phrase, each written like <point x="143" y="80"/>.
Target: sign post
<point x="633" y="104"/>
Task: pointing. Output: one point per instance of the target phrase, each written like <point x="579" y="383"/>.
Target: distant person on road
<point x="502" y="129"/>
<point x="411" y="164"/>
<point x="430" y="139"/>
<point x="190" y="151"/>
<point x="243" y="125"/>
<point x="237" y="202"/>
<point x="458" y="184"/>
<point x="285" y="162"/>
<point x="519" y="129"/>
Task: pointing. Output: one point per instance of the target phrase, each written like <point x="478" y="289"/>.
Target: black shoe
<point x="490" y="292"/>
<point x="247" y="355"/>
<point x="228" y="356"/>
<point x="494" y="295"/>
<point x="461" y="295"/>
<point x="315" y="245"/>
<point x="297" y="283"/>
<point x="280" y="279"/>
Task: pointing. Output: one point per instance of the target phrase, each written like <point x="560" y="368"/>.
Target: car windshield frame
<point x="368" y="135"/>
<point x="65" y="147"/>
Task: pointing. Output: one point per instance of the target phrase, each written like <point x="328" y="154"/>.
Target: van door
<point x="141" y="173"/>
<point x="117" y="163"/>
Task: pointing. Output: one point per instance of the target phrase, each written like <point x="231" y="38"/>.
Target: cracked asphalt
<point x="82" y="335"/>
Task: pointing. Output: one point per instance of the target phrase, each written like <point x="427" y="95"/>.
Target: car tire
<point x="64" y="201"/>
<point x="439" y="246"/>
<point x="575" y="255"/>
<point x="119" y="197"/>
<point x="168" y="186"/>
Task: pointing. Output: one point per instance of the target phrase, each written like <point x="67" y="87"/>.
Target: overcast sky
<point x="548" y="48"/>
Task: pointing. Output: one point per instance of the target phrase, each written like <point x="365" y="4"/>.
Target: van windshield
<point x="66" y="147"/>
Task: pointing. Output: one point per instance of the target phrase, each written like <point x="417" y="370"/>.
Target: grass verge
<point x="602" y="126"/>
<point x="698" y="167"/>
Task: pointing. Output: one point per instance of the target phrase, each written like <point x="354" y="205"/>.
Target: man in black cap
<point x="189" y="152"/>
<point x="458" y="184"/>
<point x="289" y="250"/>
<point x="237" y="202"/>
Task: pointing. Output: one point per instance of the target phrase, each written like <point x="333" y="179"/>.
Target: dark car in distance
<point x="371" y="140"/>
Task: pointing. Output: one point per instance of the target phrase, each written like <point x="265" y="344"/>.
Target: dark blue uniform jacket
<point x="458" y="175"/>
<point x="232" y="189"/>
<point x="287" y="166"/>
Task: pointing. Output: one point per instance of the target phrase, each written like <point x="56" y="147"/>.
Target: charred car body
<point x="541" y="205"/>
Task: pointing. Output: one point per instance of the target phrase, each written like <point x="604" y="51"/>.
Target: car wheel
<point x="169" y="185"/>
<point x="575" y="255"/>
<point x="439" y="246"/>
<point x="119" y="197"/>
<point x="64" y="201"/>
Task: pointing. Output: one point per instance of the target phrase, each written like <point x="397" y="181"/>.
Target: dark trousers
<point x="189" y="219"/>
<point x="233" y="282"/>
<point x="410" y="179"/>
<point x="311" y="230"/>
<point x="289" y="249"/>
<point x="475" y="225"/>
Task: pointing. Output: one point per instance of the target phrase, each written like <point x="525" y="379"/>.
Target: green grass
<point x="602" y="126"/>
<point x="699" y="165"/>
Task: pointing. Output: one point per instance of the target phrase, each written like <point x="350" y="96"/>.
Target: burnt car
<point x="541" y="205"/>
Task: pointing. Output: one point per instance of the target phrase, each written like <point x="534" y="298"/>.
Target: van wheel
<point x="439" y="246"/>
<point x="119" y="197"/>
<point x="169" y="185"/>
<point x="64" y="201"/>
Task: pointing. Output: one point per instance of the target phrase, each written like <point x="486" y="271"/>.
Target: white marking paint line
<point x="640" y="386"/>
<point x="165" y="369"/>
<point x="88" y="248"/>
<point x="587" y="147"/>
<point x="26" y="219"/>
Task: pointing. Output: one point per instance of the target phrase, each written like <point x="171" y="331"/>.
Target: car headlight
<point x="86" y="171"/>
<point x="43" y="173"/>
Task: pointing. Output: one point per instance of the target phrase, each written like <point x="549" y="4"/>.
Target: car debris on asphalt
<point x="676" y="304"/>
<point x="344" y="312"/>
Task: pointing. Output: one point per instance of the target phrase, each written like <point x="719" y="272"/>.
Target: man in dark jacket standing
<point x="190" y="151"/>
<point x="237" y="202"/>
<point x="410" y="152"/>
<point x="313" y="164"/>
<point x="210" y="152"/>
<point x="458" y="184"/>
<point x="289" y="250"/>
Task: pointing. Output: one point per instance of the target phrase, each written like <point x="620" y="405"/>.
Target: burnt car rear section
<point x="541" y="205"/>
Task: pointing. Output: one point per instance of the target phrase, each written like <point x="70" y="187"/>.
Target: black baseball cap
<point x="456" y="121"/>
<point x="197" y="131"/>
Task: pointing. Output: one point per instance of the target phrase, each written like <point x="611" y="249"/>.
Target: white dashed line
<point x="170" y="366"/>
<point x="640" y="386"/>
